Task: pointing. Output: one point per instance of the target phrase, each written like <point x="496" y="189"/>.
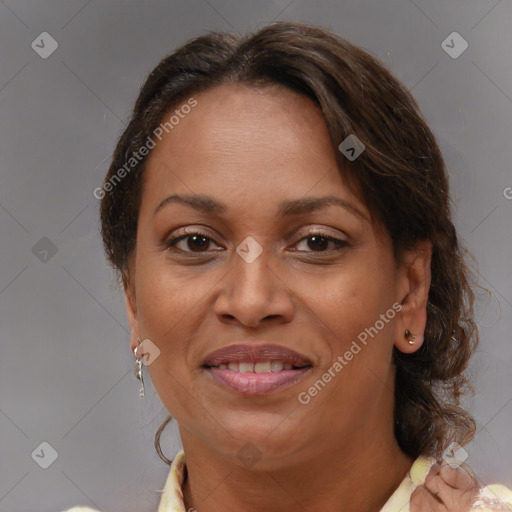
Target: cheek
<point x="167" y="312"/>
<point x="347" y="307"/>
<point x="349" y="299"/>
<point x="165" y="295"/>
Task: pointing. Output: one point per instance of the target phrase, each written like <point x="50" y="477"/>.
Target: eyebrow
<point x="286" y="208"/>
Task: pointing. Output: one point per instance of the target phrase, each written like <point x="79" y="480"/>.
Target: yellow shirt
<point x="494" y="497"/>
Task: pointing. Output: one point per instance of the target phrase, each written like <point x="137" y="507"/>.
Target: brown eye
<point x="320" y="243"/>
<point x="193" y="242"/>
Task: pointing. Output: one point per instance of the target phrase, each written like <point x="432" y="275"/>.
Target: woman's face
<point x="260" y="268"/>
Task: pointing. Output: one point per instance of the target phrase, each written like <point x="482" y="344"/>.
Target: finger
<point x="453" y="499"/>
<point x="433" y="473"/>
<point x="423" y="500"/>
<point x="458" y="476"/>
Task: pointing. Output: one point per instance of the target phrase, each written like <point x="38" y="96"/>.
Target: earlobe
<point x="412" y="318"/>
<point x="407" y="341"/>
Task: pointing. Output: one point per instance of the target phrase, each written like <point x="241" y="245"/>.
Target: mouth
<point x="259" y="367"/>
<point x="256" y="369"/>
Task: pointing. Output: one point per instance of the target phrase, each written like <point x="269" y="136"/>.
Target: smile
<point x="257" y="368"/>
<point x="262" y="367"/>
<point x="257" y="379"/>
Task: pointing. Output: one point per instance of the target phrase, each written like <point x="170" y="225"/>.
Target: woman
<point x="279" y="215"/>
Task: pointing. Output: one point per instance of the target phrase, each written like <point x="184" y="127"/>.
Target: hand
<point x="446" y="489"/>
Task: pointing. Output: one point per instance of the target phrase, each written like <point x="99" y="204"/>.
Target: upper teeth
<point x="263" y="367"/>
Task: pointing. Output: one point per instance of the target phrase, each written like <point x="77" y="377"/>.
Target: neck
<point x="359" y="475"/>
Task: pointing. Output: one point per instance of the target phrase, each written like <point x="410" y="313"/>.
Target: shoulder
<point x="494" y="495"/>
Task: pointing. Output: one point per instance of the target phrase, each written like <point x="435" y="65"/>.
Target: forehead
<point x="245" y="120"/>
<point x="241" y="140"/>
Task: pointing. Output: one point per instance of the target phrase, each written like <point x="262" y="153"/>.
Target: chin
<point x="264" y="437"/>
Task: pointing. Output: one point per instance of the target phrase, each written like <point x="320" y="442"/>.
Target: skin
<point x="251" y="149"/>
<point x="447" y="488"/>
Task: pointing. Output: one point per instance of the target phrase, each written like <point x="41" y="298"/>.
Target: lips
<point x="255" y="353"/>
<point x="256" y="369"/>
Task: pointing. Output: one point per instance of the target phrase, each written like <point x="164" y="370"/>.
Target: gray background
<point x="66" y="374"/>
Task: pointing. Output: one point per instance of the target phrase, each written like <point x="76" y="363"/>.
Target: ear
<point x="131" y="312"/>
<point x="414" y="285"/>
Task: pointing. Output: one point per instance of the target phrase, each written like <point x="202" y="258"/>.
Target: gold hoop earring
<point x="157" y="441"/>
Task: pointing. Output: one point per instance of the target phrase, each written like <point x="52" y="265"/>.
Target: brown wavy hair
<point x="401" y="176"/>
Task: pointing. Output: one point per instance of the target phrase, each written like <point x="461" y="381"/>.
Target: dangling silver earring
<point x="408" y="334"/>
<point x="138" y="368"/>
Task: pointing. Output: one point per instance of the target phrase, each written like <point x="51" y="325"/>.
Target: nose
<point x="252" y="293"/>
